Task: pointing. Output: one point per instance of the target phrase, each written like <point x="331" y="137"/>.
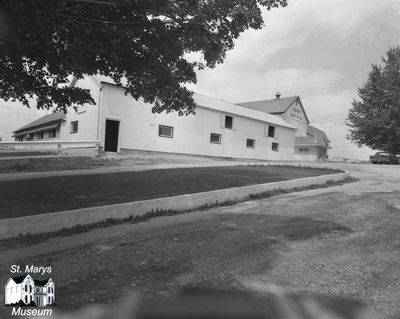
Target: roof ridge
<point x="274" y="99"/>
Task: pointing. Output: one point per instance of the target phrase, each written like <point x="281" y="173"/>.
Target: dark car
<point x="383" y="158"/>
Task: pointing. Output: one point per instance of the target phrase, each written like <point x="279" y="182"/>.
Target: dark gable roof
<point x="274" y="106"/>
<point x="41" y="282"/>
<point x="52" y="118"/>
<point x="19" y="279"/>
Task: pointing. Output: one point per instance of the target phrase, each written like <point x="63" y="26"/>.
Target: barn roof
<point x="275" y="106"/>
<point x="230" y="108"/>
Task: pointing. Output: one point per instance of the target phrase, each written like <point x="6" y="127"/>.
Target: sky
<point x="320" y="50"/>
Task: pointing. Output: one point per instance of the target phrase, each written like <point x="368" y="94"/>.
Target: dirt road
<point x="343" y="240"/>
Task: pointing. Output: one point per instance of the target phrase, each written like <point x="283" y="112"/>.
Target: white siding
<point x="310" y="155"/>
<point x="87" y="116"/>
<point x="296" y="117"/>
<point x="139" y="130"/>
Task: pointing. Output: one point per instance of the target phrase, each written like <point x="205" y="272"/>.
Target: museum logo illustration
<point x="27" y="295"/>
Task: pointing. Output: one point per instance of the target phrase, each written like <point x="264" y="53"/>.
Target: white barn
<point x="27" y="290"/>
<point x="311" y="144"/>
<point x="121" y="123"/>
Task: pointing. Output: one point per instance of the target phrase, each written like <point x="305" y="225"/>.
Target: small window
<point x="271" y="131"/>
<point x="250" y="143"/>
<point x="40" y="135"/>
<point x="20" y="138"/>
<point x="215" y="138"/>
<point x="165" y="131"/>
<point x="74" y="127"/>
<point x="275" y="147"/>
<point x="52" y="133"/>
<point x="228" y="122"/>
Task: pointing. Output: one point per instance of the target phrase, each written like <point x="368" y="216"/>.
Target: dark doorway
<point x="111" y="140"/>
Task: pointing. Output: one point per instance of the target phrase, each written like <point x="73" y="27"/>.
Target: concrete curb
<point x="43" y="223"/>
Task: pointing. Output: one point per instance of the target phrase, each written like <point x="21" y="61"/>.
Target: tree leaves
<point x="43" y="44"/>
<point x="374" y="119"/>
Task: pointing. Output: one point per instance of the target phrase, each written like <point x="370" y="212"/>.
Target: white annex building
<point x="219" y="128"/>
<point x="27" y="290"/>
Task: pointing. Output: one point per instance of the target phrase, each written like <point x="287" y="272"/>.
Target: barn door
<point x="111" y="138"/>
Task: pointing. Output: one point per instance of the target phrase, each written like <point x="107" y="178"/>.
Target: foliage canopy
<point x="43" y="43"/>
<point x="374" y="119"/>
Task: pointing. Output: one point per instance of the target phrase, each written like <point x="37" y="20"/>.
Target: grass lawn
<point x="52" y="194"/>
<point x="52" y="164"/>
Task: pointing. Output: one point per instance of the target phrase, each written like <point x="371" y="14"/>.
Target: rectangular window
<point x="275" y="147"/>
<point x="165" y="131"/>
<point x="20" y="138"/>
<point x="74" y="127"/>
<point x="215" y="138"/>
<point x="250" y="143"/>
<point x="52" y="133"/>
<point x="228" y="122"/>
<point x="271" y="131"/>
<point x="40" y="135"/>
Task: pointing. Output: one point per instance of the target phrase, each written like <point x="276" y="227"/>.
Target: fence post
<point x="97" y="149"/>
<point x="59" y="153"/>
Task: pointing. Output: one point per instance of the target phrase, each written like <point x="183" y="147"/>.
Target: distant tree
<point x="43" y="43"/>
<point x="374" y="119"/>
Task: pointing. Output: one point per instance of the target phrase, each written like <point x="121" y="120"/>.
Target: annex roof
<point x="313" y="131"/>
<point x="310" y="141"/>
<point x="231" y="108"/>
<point x="47" y="120"/>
